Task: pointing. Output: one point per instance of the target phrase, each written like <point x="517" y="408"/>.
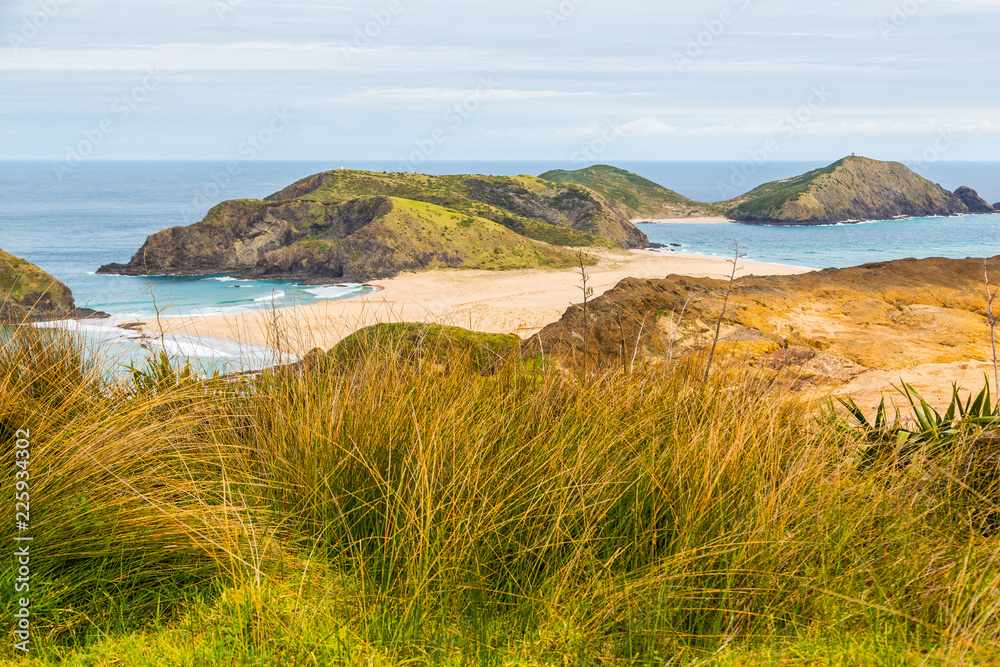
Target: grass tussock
<point x="377" y="506"/>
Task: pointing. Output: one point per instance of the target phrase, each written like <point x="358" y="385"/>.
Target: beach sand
<point x="519" y="302"/>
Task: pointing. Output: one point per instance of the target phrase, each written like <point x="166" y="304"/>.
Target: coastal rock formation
<point x="554" y="213"/>
<point x="973" y="201"/>
<point x="360" y="240"/>
<point x="29" y="294"/>
<point x="233" y="237"/>
<point x="850" y="190"/>
<point x="632" y="195"/>
<point x="829" y="326"/>
<point x="359" y="226"/>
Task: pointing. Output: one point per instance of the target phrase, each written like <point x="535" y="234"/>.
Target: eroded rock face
<point x="237" y="234"/>
<point x="828" y="326"/>
<point x="973" y="201"/>
<point x="578" y="209"/>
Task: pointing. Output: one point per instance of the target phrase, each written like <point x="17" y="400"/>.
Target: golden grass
<point x="385" y="508"/>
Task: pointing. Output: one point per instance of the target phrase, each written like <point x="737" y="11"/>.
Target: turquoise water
<point x="102" y="212"/>
<point x="838" y="246"/>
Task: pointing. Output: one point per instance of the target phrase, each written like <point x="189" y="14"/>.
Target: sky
<point x="416" y="80"/>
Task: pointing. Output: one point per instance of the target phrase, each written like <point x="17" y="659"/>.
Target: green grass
<point x="532" y="207"/>
<point x="23" y="283"/>
<point x="411" y="500"/>
<point x="849" y="189"/>
<point x="632" y="194"/>
<point x="414" y="229"/>
<point x="766" y="201"/>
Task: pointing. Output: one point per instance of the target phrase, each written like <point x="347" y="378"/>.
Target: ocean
<point x="69" y="224"/>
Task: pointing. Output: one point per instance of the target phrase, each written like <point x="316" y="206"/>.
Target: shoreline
<point x="703" y="220"/>
<point x="520" y="301"/>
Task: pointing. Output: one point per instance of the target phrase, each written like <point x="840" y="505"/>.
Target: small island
<point x="357" y="226"/>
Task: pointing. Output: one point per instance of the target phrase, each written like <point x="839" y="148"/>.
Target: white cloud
<point x="609" y="60"/>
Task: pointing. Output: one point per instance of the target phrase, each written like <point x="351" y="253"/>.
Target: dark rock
<point x="973" y="201"/>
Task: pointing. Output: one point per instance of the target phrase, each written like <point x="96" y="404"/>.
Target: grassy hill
<point x="632" y="195"/>
<point x="559" y="214"/>
<point x="408" y="235"/>
<point x="24" y="286"/>
<point x="360" y="225"/>
<point x="854" y="188"/>
<point x="362" y="239"/>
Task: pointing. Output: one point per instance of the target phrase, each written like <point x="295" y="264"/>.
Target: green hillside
<point x="632" y="195"/>
<point x="24" y="286"/>
<point x="851" y="189"/>
<point x="559" y="214"/>
<point x="408" y="235"/>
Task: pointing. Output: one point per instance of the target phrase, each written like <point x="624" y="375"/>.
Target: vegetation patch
<point x="389" y="502"/>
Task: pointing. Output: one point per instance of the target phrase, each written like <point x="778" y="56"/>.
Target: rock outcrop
<point x="363" y="239"/>
<point x="359" y="226"/>
<point x="850" y="190"/>
<point x="29" y="294"/>
<point x="973" y="201"/>
<point x="828" y="326"/>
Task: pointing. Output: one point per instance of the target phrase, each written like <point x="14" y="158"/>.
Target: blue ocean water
<point x="837" y="246"/>
<point x="101" y="212"/>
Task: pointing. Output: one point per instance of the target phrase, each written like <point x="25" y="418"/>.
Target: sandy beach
<point x="519" y="302"/>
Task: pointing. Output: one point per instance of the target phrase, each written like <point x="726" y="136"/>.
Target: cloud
<point x="609" y="60"/>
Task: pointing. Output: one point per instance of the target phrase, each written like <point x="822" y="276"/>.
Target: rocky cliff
<point x="28" y="293"/>
<point x="852" y="189"/>
<point x="358" y="226"/>
<point x="362" y="239"/>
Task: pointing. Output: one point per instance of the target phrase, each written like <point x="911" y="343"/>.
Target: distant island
<point x="853" y="189"/>
<point x="357" y="226"/>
